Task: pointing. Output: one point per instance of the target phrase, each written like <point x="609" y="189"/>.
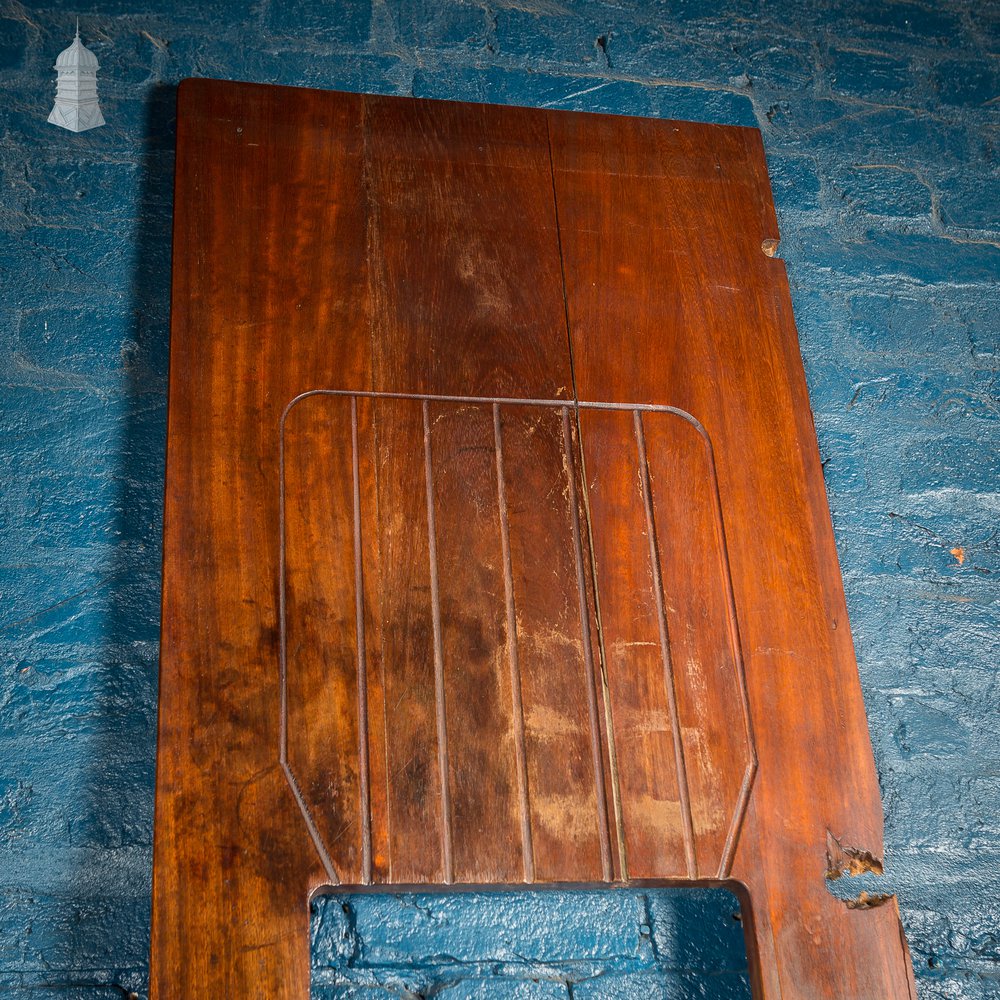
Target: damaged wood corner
<point x="868" y="900"/>
<point x="853" y="862"/>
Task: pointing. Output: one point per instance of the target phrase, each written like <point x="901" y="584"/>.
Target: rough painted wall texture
<point x="880" y="121"/>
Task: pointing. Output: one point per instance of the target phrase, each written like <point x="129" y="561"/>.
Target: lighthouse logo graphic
<point x="76" y="106"/>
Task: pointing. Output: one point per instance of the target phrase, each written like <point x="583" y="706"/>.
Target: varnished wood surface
<point x="410" y="639"/>
<point x="494" y="674"/>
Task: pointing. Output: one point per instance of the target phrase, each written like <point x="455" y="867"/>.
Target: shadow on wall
<point x="135" y="617"/>
<point x="104" y="913"/>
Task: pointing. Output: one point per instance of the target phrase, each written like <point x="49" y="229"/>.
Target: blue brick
<point x="648" y="51"/>
<point x="13" y="43"/>
<point x="794" y="183"/>
<point x="778" y="67"/>
<point x="966" y="82"/>
<point x="140" y="118"/>
<point x="62" y="938"/>
<point x="949" y="463"/>
<point x="972" y="202"/>
<point x="105" y="819"/>
<point x="708" y="15"/>
<point x="910" y="21"/>
<point x="128" y="58"/>
<point x="715" y="107"/>
<point x="937" y="823"/>
<point x="458" y="927"/>
<point x="952" y="548"/>
<point x="16" y="798"/>
<point x="890" y="322"/>
<point x="717" y="944"/>
<point x="73" y="706"/>
<point x="555" y="35"/>
<point x="867" y="75"/>
<point x="79" y="192"/>
<point x="985" y="19"/>
<point x="442" y="25"/>
<point x="976" y="312"/>
<point x="928" y="727"/>
<point x="345" y="22"/>
<point x="838" y="133"/>
<point x="77" y="260"/>
<point x="929" y="260"/>
<point x="885" y="190"/>
<point x="77" y="347"/>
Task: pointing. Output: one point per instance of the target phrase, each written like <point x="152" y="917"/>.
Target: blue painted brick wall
<point x="881" y="122"/>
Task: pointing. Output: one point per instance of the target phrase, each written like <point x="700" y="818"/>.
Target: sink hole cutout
<point x="548" y="943"/>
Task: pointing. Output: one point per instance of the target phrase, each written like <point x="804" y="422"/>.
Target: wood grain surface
<point x="496" y="545"/>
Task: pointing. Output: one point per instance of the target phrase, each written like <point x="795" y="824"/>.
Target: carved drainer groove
<point x="491" y="689"/>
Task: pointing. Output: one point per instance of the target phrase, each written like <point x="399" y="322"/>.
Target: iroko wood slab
<point x="496" y="545"/>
